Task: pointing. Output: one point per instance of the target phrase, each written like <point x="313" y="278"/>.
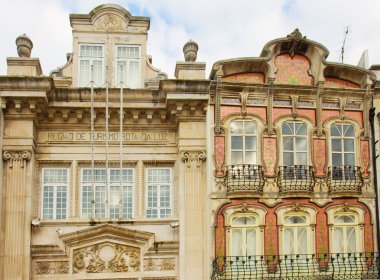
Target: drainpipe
<point x="374" y="159"/>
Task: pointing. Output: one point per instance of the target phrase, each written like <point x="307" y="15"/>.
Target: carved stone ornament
<point x="159" y="264"/>
<point x="295" y="38"/>
<point x="190" y="51"/>
<point x="52" y="267"/>
<point x="110" y="22"/>
<point x="24" y="46"/>
<point x="193" y="157"/>
<point x="106" y="257"/>
<point x="12" y="156"/>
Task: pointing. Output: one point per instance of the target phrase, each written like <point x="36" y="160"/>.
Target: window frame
<point x="305" y="226"/>
<point x="158" y="200"/>
<point x="344" y="226"/>
<point x="128" y="62"/>
<point x="244" y="135"/>
<point x="55" y="185"/>
<point x="107" y="205"/>
<point x="91" y="59"/>
<point x="295" y="136"/>
<point x="342" y="138"/>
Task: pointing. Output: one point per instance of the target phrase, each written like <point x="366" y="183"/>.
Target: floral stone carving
<point x="106" y="257"/>
<point x="159" y="264"/>
<point x="110" y="22"/>
<point x="52" y="267"/>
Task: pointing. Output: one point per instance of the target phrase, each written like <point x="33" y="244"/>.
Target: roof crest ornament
<point x="295" y="39"/>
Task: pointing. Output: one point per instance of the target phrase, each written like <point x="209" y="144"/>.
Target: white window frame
<point x="107" y="205"/>
<point x="91" y="60"/>
<point x="294" y="136"/>
<point x="55" y="185"/>
<point x="295" y="227"/>
<point x="128" y="61"/>
<point x="243" y="135"/>
<point x="345" y="226"/>
<point x="244" y="228"/>
<point x="158" y="200"/>
<point x="342" y="138"/>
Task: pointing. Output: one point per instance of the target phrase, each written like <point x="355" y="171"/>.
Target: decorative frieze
<point x="51" y="267"/>
<point x="106" y="257"/>
<point x="159" y="264"/>
<point x="19" y="156"/>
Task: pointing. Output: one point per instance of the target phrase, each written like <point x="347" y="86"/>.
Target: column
<point x="17" y="206"/>
<point x="192" y="204"/>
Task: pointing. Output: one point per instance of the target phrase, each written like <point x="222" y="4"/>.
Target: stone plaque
<point x="129" y="137"/>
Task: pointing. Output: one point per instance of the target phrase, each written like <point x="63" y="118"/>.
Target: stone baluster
<point x="16" y="223"/>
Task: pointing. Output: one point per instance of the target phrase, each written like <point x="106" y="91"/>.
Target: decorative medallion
<point x="110" y="22"/>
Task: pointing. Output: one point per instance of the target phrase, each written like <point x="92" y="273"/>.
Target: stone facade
<point x="113" y="171"/>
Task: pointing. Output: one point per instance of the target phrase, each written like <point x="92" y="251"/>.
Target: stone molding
<point x="11" y="156"/>
<point x="191" y="157"/>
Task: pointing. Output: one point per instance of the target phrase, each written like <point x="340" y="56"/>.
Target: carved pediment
<point x="111" y="23"/>
<point x="107" y="233"/>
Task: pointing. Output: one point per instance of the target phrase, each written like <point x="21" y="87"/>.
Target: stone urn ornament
<point x="24" y="46"/>
<point x="190" y="50"/>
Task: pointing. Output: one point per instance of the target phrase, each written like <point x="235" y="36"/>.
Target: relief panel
<point x="106" y="257"/>
<point x="364" y="152"/>
<point x="159" y="264"/>
<point x="319" y="148"/>
<point x="219" y="155"/>
<point x="270" y="155"/>
<point x="51" y="267"/>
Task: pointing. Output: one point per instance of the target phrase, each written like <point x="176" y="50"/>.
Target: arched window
<point x="295" y="235"/>
<point x="342" y="144"/>
<point x="345" y="234"/>
<point x="243" y="142"/>
<point x="294" y="143"/>
<point x="243" y="239"/>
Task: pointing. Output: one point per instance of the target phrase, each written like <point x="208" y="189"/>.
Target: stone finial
<point x="190" y="50"/>
<point x="24" y="46"/>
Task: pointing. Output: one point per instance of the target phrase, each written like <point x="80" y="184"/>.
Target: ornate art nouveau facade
<point x="113" y="171"/>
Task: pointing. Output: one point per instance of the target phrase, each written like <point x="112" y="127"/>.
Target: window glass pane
<point x="121" y="72"/>
<point x="250" y="127"/>
<point x="288" y="159"/>
<point x="288" y="241"/>
<point x="134" y="74"/>
<point x="237" y="240"/>
<point x="344" y="219"/>
<point x="288" y="143"/>
<point x="348" y="145"/>
<point x="237" y="142"/>
<point x="349" y="131"/>
<point x="250" y="158"/>
<point x="251" y="242"/>
<point x="61" y="203"/>
<point x="336" y="159"/>
<point x="302" y="241"/>
<point x="300" y="129"/>
<point x="301" y="159"/>
<point x="48" y="200"/>
<point x="236" y="127"/>
<point x="351" y="240"/>
<point x="100" y="198"/>
<point x="293" y="220"/>
<point x="301" y="144"/>
<point x="287" y="128"/>
<point x="336" y="145"/>
<point x="338" y="240"/>
<point x="86" y="201"/>
<point x="349" y="159"/>
<point x="336" y="130"/>
<point x="237" y="158"/>
<point x="127" y="202"/>
<point x="250" y="142"/>
<point x="243" y="221"/>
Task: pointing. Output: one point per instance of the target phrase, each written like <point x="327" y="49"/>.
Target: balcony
<point x="344" y="179"/>
<point x="316" y="267"/>
<point x="244" y="178"/>
<point x="295" y="179"/>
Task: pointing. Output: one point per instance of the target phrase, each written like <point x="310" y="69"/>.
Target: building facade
<point x="113" y="171"/>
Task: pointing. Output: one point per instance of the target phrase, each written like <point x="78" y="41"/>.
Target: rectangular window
<point x="54" y="193"/>
<point x="112" y="200"/>
<point x="158" y="192"/>
<point x="128" y="66"/>
<point x="91" y="58"/>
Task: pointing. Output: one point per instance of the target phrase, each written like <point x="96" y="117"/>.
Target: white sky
<point x="222" y="28"/>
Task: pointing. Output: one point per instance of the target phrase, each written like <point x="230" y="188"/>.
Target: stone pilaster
<point x="192" y="203"/>
<point x="16" y="223"/>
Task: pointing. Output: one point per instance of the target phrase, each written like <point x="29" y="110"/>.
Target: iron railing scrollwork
<point x="244" y="178"/>
<point x="344" y="178"/>
<point x="305" y="267"/>
<point x="296" y="178"/>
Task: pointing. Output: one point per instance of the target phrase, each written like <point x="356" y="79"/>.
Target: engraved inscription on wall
<point x="129" y="137"/>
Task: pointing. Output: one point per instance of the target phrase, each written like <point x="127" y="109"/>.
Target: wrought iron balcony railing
<point x="295" y="178"/>
<point x="344" y="179"/>
<point x="244" y="178"/>
<point x="305" y="267"/>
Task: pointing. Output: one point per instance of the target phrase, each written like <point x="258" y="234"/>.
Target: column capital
<point x="191" y="157"/>
<point x="11" y="156"/>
